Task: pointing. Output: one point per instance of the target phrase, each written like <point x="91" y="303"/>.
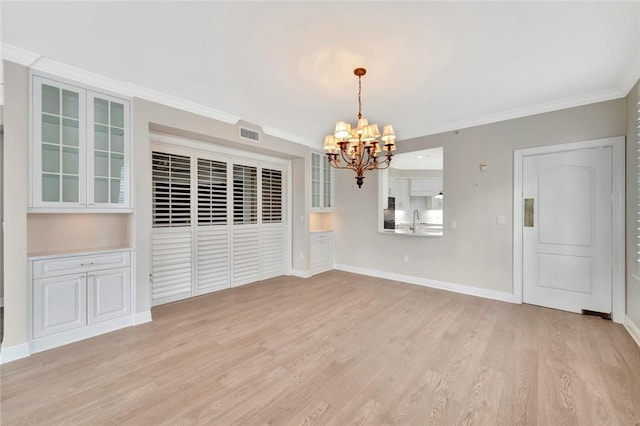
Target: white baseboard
<point x="71" y="336"/>
<point x="141" y="318"/>
<point x="633" y="329"/>
<point x="321" y="269"/>
<point x="456" y="288"/>
<point x="13" y="353"/>
<point x="300" y="273"/>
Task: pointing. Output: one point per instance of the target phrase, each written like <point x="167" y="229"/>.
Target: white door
<point x="109" y="295"/>
<point x="567" y="233"/>
<point x="59" y="304"/>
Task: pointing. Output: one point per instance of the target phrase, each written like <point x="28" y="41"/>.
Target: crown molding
<point x="632" y="76"/>
<point x="180" y="103"/>
<point x="49" y="66"/>
<point x="80" y="75"/>
<point x="288" y="136"/>
<point x="18" y="55"/>
<point x="560" y="104"/>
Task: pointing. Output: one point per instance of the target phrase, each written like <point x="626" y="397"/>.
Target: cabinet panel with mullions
<point x="108" y="181"/>
<point x="58" y="164"/>
<point x="79" y="149"/>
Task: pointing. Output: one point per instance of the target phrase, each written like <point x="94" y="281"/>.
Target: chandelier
<point x="359" y="147"/>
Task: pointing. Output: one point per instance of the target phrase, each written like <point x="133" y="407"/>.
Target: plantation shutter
<point x="245" y="259"/>
<point x="638" y="178"/>
<point x="212" y="263"/>
<point x="273" y="232"/>
<point x="172" y="240"/>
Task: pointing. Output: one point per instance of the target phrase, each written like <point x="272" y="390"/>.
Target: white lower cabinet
<point x="59" y="304"/>
<point x="321" y="251"/>
<point x="74" y="297"/>
<point x="108" y="295"/>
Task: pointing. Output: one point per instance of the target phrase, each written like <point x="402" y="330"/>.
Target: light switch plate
<point x="500" y="220"/>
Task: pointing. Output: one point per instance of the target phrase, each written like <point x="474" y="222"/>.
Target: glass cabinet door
<point x="108" y="151"/>
<point x="326" y="184"/>
<point x="315" y="181"/>
<point x="58" y="157"/>
<point x="321" y="188"/>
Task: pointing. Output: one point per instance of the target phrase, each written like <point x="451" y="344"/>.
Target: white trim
<point x="426" y="282"/>
<point x="79" y="75"/>
<point x="141" y="318"/>
<point x="618" y="232"/>
<point x="36" y="210"/>
<point x="576" y="101"/>
<point x="13" y="353"/>
<point x="187" y="145"/>
<point x="632" y="75"/>
<point x="633" y="329"/>
<point x="75" y="335"/>
<point x="19" y="55"/>
<point x="299" y="273"/>
<point x="289" y="219"/>
<point x="182" y="104"/>
<point x="321" y="269"/>
<point x="290" y="137"/>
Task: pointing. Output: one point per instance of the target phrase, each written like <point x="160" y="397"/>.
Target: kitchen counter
<point x="422" y="230"/>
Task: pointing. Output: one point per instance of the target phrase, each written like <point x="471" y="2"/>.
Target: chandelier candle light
<point x="359" y="147"/>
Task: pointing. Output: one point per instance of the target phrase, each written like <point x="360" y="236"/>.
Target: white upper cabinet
<point x="321" y="183"/>
<point x="108" y="174"/>
<point x="80" y="150"/>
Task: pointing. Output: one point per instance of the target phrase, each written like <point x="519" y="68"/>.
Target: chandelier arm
<point x="384" y="164"/>
<point x="345" y="156"/>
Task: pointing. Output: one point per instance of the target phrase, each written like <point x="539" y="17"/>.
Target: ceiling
<point x="288" y="66"/>
<point x="424" y="159"/>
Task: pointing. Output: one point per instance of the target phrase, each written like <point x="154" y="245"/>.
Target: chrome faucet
<point x="416" y="215"/>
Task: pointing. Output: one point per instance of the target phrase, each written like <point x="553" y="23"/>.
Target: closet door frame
<point x="197" y="149"/>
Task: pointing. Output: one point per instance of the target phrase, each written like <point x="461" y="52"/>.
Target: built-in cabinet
<point x="78" y="296"/>
<point x="321" y="183"/>
<point x="425" y="187"/>
<point x="403" y="188"/>
<point x="321" y="251"/>
<point x="80" y="149"/>
<point x="399" y="189"/>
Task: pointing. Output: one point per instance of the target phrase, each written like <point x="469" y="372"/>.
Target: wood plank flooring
<point x="336" y="349"/>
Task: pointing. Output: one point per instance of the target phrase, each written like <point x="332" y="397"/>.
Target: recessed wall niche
<point x="67" y="232"/>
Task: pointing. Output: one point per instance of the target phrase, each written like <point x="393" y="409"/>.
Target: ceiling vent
<point x="249" y="134"/>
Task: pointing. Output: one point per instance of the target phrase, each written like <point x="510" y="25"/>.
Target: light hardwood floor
<point x="336" y="349"/>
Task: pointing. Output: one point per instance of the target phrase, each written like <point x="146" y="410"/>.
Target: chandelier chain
<point x="359" y="97"/>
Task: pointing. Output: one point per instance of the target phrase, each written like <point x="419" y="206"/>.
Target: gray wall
<point x="633" y="267"/>
<point x="15" y="205"/>
<point x="478" y="252"/>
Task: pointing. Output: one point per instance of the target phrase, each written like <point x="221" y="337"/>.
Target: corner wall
<point x="15" y="206"/>
<point x="633" y="266"/>
<point x="478" y="253"/>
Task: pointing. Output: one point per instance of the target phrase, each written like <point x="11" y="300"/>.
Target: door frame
<point x="618" y="215"/>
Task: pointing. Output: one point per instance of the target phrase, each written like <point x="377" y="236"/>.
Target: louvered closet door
<point x="172" y="234"/>
<point x="218" y="222"/>
<point x="212" y="262"/>
<point x="272" y="240"/>
<point x="245" y="261"/>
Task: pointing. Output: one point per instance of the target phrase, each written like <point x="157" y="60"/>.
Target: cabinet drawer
<point x="75" y="264"/>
